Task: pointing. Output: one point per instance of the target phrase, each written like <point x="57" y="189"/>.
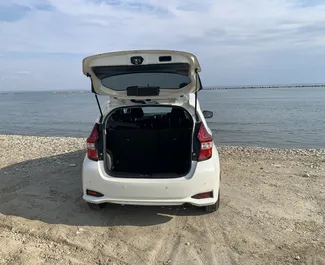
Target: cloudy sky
<point x="42" y="42"/>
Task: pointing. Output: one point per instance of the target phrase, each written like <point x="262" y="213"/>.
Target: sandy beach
<point x="272" y="212"/>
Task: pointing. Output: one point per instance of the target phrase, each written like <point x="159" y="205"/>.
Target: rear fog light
<point x="94" y="193"/>
<point x="203" y="195"/>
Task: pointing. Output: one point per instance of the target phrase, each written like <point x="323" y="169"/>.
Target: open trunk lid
<point x="144" y="74"/>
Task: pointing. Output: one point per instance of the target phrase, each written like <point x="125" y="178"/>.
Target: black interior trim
<point x="149" y="150"/>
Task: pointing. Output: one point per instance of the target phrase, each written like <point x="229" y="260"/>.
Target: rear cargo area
<point x="149" y="142"/>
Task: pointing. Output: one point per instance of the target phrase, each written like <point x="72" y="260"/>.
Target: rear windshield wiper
<point x="138" y="101"/>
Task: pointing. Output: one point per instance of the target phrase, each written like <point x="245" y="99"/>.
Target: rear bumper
<point x="151" y="202"/>
<point x="152" y="191"/>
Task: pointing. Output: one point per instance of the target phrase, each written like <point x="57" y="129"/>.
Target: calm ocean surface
<point x="284" y="117"/>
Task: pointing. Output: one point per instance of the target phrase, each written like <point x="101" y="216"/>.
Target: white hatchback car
<point x="151" y="145"/>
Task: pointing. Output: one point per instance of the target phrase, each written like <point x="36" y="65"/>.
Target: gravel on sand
<point x="272" y="211"/>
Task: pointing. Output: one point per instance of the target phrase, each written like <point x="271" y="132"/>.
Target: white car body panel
<point x="151" y="57"/>
<point x="176" y="191"/>
<point x="204" y="176"/>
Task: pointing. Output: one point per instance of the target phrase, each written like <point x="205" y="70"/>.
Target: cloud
<point x="23" y="72"/>
<point x="14" y="12"/>
<point x="237" y="41"/>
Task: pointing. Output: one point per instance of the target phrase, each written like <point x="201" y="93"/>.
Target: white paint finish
<point x="150" y="57"/>
<point x="204" y="176"/>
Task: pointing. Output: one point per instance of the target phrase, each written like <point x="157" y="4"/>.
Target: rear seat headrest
<point x="176" y="112"/>
<point x="177" y="116"/>
<point x="125" y="117"/>
<point x="137" y="113"/>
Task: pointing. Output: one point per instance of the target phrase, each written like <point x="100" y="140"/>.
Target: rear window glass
<point x="164" y="76"/>
<point x="161" y="80"/>
<point x="156" y="110"/>
<point x="148" y="110"/>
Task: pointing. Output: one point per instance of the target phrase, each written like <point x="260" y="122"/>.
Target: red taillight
<point x="91" y="143"/>
<point x="206" y="142"/>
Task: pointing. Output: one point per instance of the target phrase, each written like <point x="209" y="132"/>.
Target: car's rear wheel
<point x="214" y="207"/>
<point x="96" y="207"/>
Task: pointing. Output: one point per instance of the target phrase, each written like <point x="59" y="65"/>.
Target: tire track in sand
<point x="169" y="243"/>
<point x="219" y="241"/>
<point x="177" y="245"/>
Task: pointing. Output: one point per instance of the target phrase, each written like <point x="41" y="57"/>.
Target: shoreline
<point x="219" y="146"/>
<point x="261" y="87"/>
<point x="207" y="89"/>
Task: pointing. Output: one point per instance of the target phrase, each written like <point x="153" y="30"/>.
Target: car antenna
<point x="196" y="90"/>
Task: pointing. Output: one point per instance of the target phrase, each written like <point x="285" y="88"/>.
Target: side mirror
<point x="207" y="114"/>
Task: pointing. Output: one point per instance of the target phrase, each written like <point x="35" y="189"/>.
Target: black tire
<point x="96" y="207"/>
<point x="214" y="207"/>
